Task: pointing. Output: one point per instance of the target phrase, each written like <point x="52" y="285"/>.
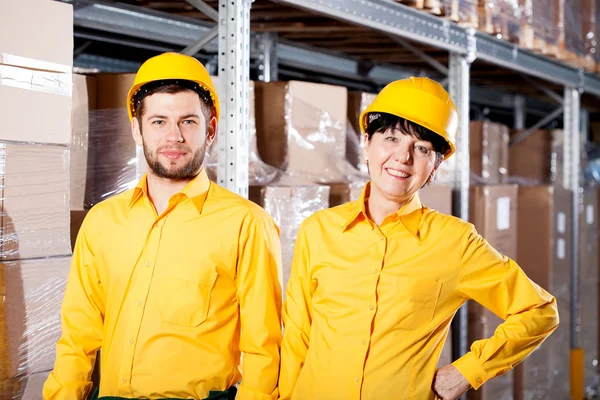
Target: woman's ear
<point x="365" y="149"/>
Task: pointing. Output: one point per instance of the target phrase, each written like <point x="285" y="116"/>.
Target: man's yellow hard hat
<point x="420" y="100"/>
<point x="168" y="67"/>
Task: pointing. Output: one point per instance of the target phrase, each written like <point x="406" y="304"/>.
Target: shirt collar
<point x="196" y="190"/>
<point x="409" y="215"/>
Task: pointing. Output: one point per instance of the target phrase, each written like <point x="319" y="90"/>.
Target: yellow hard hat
<point x="173" y="66"/>
<point x="422" y="101"/>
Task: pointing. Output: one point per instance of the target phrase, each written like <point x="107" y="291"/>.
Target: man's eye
<point x="157" y="122"/>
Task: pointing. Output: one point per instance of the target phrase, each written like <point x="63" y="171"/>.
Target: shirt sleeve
<point x="82" y="317"/>
<point x="297" y="317"/>
<point x="259" y="297"/>
<point x="529" y="312"/>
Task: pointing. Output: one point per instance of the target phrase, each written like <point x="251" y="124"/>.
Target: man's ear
<point x="136" y="131"/>
<point x="211" y="131"/>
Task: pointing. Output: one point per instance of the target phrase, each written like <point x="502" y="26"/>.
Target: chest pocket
<point x="417" y="299"/>
<point x="184" y="301"/>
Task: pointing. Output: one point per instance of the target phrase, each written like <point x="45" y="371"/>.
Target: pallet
<point x="434" y="7"/>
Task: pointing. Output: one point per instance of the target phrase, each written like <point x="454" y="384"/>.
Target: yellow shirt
<point x="173" y="300"/>
<point x="368" y="308"/>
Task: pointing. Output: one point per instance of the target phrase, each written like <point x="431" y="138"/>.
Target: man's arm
<point x="82" y="318"/>
<point x="529" y="312"/>
<point x="259" y="297"/>
<point x="297" y="317"/>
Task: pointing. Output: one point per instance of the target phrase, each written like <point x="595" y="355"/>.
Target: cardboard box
<point x="33" y="294"/>
<point x="35" y="201"/>
<point x="81" y="177"/>
<point x="35" y="102"/>
<point x="531" y="158"/>
<point x="437" y="197"/>
<point x="489" y="152"/>
<point x="357" y="103"/>
<point x="39" y="30"/>
<point x="289" y="206"/>
<point x="340" y="193"/>
<point x="114" y="154"/>
<point x="544" y="253"/>
<point x="589" y="281"/>
<point x="301" y="129"/>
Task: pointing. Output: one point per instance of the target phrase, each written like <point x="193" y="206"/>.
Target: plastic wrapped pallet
<point x="289" y="206"/>
<point x="571" y="42"/>
<point x="465" y="12"/>
<point x="116" y="162"/>
<point x="589" y="281"/>
<point x="539" y="31"/>
<point x="30" y="322"/>
<point x="493" y="211"/>
<point x="436" y="7"/>
<point x="501" y="18"/>
<point x="489" y="152"/>
<point x="34" y="201"/>
<point x="544" y="253"/>
<point x="301" y="129"/>
<point x="588" y="30"/>
<point x="357" y="104"/>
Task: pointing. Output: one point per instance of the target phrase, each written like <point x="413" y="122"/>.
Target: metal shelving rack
<point x="236" y="45"/>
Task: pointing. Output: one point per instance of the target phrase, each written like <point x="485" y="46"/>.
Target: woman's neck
<point x="379" y="206"/>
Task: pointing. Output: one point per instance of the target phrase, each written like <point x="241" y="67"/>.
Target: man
<point x="375" y="283"/>
<point x="176" y="278"/>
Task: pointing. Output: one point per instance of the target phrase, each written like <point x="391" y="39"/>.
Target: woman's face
<point x="399" y="164"/>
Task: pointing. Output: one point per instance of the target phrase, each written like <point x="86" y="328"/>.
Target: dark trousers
<point x="228" y="394"/>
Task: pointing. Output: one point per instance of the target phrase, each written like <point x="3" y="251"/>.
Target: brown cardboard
<point x="289" y="206"/>
<point x="301" y="128"/>
<point x="81" y="177"/>
<point x="113" y="150"/>
<point x="493" y="211"/>
<point x="489" y="151"/>
<point x="35" y="201"/>
<point x="77" y="217"/>
<point x="357" y="103"/>
<point x="340" y="193"/>
<point x="32" y="302"/>
<point x="31" y="115"/>
<point x="544" y="254"/>
<point x="38" y="29"/>
<point x="437" y="197"/>
<point x="531" y="158"/>
<point x="589" y="281"/>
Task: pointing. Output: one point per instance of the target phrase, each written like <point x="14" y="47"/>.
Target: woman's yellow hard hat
<point x="422" y="101"/>
<point x="172" y="66"/>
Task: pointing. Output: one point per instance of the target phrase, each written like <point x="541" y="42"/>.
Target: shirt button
<point x="479" y="381"/>
<point x="123" y="380"/>
<point x="371" y="308"/>
<point x="139" y="303"/>
<point x="356" y="379"/>
<point x="374" y="270"/>
<point x="130" y="341"/>
<point x="364" y="342"/>
<point x="381" y="238"/>
<point x="147" y="263"/>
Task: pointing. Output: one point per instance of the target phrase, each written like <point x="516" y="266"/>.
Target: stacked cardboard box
<point x="544" y="253"/>
<point x="589" y="281"/>
<point x="571" y="42"/>
<point x="35" y="96"/>
<point x="357" y="104"/>
<point x="531" y="159"/>
<point x="501" y="18"/>
<point x="589" y="8"/>
<point x="493" y="211"/>
<point x="489" y="152"/>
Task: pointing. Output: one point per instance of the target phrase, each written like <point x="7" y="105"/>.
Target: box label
<point x="503" y="213"/>
<point x="561" y="222"/>
<point x="560" y="249"/>
<point x="589" y="214"/>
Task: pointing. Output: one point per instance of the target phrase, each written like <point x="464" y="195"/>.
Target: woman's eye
<point x="423" y="149"/>
<point x="391" y="139"/>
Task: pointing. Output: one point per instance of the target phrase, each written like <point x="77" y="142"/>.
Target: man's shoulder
<point x="222" y="198"/>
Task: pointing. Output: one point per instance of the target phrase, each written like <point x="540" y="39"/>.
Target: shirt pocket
<point x="186" y="301"/>
<point x="417" y="299"/>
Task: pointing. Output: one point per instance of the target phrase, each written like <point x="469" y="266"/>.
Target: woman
<point x="375" y="283"/>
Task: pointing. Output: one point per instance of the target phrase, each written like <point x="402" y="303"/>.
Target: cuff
<point x="471" y="369"/>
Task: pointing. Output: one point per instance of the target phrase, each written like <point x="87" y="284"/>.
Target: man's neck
<point x="160" y="190"/>
<point x="380" y="206"/>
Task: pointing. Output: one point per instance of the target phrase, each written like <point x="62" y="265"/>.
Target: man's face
<point x="174" y="133"/>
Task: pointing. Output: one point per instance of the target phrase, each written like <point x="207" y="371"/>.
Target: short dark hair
<point x="381" y="122"/>
<point x="170" y="88"/>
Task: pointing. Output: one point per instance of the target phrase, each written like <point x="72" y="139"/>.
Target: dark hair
<point x="382" y="122"/>
<point x="172" y="87"/>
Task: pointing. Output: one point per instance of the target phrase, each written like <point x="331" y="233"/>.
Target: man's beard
<point x="188" y="171"/>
